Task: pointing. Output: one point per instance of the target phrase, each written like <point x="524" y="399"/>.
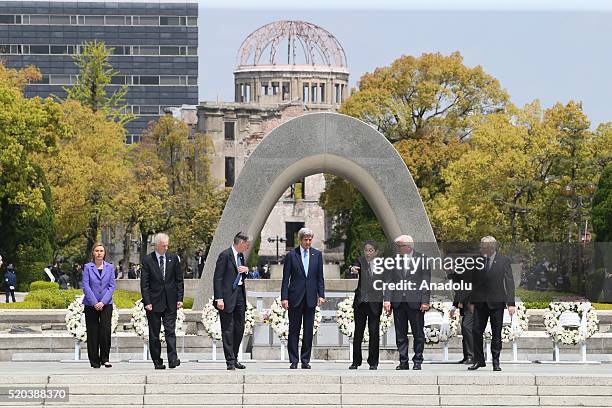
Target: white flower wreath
<point x="212" y="323"/>
<point x="75" y="319"/>
<point x="140" y="324"/>
<point x="345" y="317"/>
<point x="511" y="332"/>
<point x="559" y="334"/>
<point x="450" y="325"/>
<point x="278" y="318"/>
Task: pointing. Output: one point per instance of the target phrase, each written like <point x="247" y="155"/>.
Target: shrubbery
<point x="47" y="295"/>
<point x="39" y="285"/>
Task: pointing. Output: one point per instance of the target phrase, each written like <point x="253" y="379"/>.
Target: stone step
<point x="259" y="388"/>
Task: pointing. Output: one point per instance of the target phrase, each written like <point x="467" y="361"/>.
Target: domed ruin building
<point x="283" y="70"/>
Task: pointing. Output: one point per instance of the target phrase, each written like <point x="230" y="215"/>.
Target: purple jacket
<point x="98" y="288"/>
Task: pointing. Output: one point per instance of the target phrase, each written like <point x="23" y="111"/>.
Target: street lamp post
<point x="277" y="239"/>
<point x="577" y="202"/>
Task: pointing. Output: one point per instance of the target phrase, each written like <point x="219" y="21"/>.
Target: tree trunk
<point x="127" y="245"/>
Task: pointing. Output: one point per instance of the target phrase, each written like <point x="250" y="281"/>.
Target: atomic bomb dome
<point x="291" y="61"/>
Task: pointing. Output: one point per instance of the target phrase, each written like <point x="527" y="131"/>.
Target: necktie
<point x="239" y="276"/>
<point x="162" y="267"/>
<point x="487" y="264"/>
<point x="305" y="262"/>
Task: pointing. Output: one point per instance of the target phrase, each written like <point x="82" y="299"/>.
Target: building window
<point x="169" y="21"/>
<point x="39" y="49"/>
<point x="39" y="19"/>
<point x="117" y="20"/>
<point x="7" y="19"/>
<point x="229" y="130"/>
<point x="229" y="171"/>
<point x="170" y="50"/>
<point x="149" y="80"/>
<point x="59" y="20"/>
<point x="59" y="49"/>
<point x="291" y="234"/>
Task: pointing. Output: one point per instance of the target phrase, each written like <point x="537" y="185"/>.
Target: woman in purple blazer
<point x="98" y="287"/>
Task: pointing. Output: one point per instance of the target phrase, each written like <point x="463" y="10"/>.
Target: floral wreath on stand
<point x="570" y="336"/>
<point x="345" y="317"/>
<point x="75" y="319"/>
<point x="278" y="318"/>
<point x="140" y="324"/>
<point x="449" y="327"/>
<point x="513" y="331"/>
<point x="212" y="322"/>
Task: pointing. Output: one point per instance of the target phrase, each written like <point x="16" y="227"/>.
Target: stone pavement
<point x="326" y="384"/>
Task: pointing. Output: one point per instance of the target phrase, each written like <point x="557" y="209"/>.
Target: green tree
<point x="192" y="206"/>
<point x="602" y="207"/>
<point x="425" y="106"/>
<point x="94" y="83"/>
<point x="28" y="127"/>
<point x="86" y="176"/>
<point x="514" y="178"/>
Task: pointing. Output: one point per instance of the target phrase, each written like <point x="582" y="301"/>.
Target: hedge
<point x="38" y="285"/>
<point x="55" y="298"/>
<point x="21" y="305"/>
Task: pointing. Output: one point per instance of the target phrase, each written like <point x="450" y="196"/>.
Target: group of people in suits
<point x="492" y="291"/>
<point x="162" y="289"/>
<point x="302" y="290"/>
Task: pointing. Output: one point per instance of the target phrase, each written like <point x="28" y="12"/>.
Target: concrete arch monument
<point x="320" y="143"/>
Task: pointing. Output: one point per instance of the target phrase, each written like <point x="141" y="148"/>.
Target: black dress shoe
<point x="469" y="361"/>
<point x="293" y="366"/>
<point x="108" y="365"/>
<point x="496" y="367"/>
<point x="462" y="361"/>
<point x="95" y="365"/>
<point x="306" y="366"/>
<point x="173" y="364"/>
<point x="476" y="366"/>
<point x="403" y="367"/>
<point x="240" y="366"/>
<point x="160" y="367"/>
<point x="231" y="367"/>
<point x="373" y="367"/>
<point x="353" y="367"/>
<point x="416" y="366"/>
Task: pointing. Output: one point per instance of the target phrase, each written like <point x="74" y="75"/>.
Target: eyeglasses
<point x="400" y="245"/>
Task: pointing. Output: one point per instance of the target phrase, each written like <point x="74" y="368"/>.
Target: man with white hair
<point x="408" y="304"/>
<point x="302" y="290"/>
<point x="162" y="288"/>
<point x="492" y="290"/>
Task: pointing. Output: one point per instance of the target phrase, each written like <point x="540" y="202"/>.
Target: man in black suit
<point x="409" y="305"/>
<point x="367" y="305"/>
<point x="461" y="301"/>
<point x="162" y="288"/>
<point x="230" y="297"/>
<point x="492" y="290"/>
<point x="302" y="290"/>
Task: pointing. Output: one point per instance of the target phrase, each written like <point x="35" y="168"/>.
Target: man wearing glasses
<point x="410" y="304"/>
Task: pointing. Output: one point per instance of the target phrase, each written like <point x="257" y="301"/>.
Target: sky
<point x="552" y="52"/>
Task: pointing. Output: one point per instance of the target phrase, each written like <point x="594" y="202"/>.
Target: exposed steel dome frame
<point x="317" y="45"/>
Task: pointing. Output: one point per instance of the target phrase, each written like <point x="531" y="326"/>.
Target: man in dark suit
<point x="302" y="290"/>
<point x="162" y="288"/>
<point x="230" y="297"/>
<point x="367" y="305"/>
<point x="409" y="305"/>
<point x="492" y="290"/>
<point x="461" y="301"/>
